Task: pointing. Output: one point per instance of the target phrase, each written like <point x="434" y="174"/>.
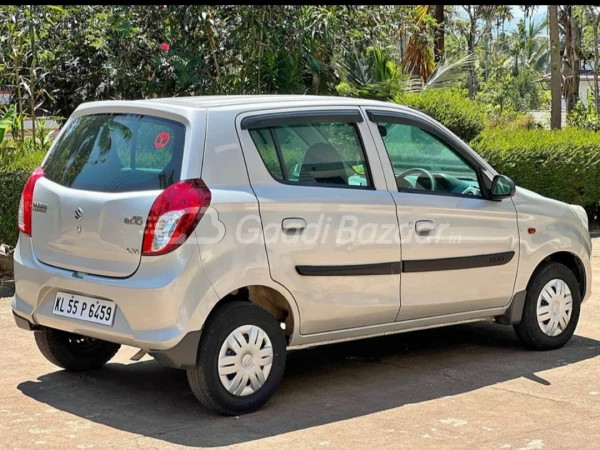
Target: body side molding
<point x="462" y="262"/>
<point x="389" y="268"/>
<point x="411" y="266"/>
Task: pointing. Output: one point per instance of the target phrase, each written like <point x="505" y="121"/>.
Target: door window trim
<point x="284" y="171"/>
<point x="269" y="121"/>
<point x="301" y="118"/>
<point x="381" y="116"/>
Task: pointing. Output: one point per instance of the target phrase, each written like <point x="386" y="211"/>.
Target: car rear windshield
<point x="117" y="153"/>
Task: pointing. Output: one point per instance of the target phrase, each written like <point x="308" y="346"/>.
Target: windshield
<point x="117" y="153"/>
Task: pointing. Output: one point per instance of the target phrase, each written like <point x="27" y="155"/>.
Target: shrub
<point x="451" y="107"/>
<point x="561" y="164"/>
<point x="505" y="92"/>
<point x="513" y="122"/>
<point x="14" y="171"/>
<point x="583" y="117"/>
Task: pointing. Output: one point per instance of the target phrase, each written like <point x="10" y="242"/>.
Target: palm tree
<point x="440" y="32"/>
<point x="528" y="10"/>
<point x="528" y="48"/>
<point x="476" y="14"/>
<point x="369" y="74"/>
<point x="570" y="62"/>
<point x="555" y="80"/>
<point x="418" y="59"/>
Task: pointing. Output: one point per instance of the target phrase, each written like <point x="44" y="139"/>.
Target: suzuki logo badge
<point x="78" y="213"/>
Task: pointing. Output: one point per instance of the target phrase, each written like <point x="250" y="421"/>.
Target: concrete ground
<point x="468" y="386"/>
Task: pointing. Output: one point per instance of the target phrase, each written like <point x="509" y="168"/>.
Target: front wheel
<point x="241" y="359"/>
<point x="551" y="310"/>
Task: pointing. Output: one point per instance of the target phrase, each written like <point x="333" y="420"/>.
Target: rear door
<point x="99" y="183"/>
<point x="329" y="221"/>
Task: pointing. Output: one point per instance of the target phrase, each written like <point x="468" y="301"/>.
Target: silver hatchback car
<point x="215" y="233"/>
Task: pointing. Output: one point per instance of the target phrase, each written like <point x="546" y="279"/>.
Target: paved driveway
<point x="468" y="386"/>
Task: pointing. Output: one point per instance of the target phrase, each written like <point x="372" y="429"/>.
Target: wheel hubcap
<point x="554" y="307"/>
<point x="245" y="360"/>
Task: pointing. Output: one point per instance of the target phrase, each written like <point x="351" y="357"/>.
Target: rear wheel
<point x="73" y="351"/>
<point x="551" y="309"/>
<point x="241" y="359"/>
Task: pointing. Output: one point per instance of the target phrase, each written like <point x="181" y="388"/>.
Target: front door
<point x="325" y="210"/>
<point x="460" y="251"/>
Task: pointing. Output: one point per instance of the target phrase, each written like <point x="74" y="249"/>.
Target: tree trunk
<point x="402" y="44"/>
<point x="488" y="39"/>
<point x="576" y="33"/>
<point x="596" y="83"/>
<point x="32" y="81"/>
<point x="18" y="41"/>
<point x="555" y="80"/>
<point x="567" y="69"/>
<point x="570" y="61"/>
<point x="213" y="49"/>
<point x="440" y="33"/>
<point x="471" y="46"/>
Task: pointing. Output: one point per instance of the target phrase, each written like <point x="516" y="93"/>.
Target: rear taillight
<point x="26" y="202"/>
<point x="174" y="215"/>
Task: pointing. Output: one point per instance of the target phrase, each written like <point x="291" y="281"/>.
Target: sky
<point x="539" y="16"/>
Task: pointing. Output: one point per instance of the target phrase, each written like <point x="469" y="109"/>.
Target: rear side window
<point x="118" y="153"/>
<point x="316" y="154"/>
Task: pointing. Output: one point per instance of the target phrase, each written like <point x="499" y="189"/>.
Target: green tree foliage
<point x="14" y="172"/>
<point x="131" y="52"/>
<point x="507" y="93"/>
<point x="373" y="74"/>
<point x="94" y="52"/>
<point x="584" y="117"/>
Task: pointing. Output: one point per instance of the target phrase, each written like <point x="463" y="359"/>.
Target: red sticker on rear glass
<point x="162" y="140"/>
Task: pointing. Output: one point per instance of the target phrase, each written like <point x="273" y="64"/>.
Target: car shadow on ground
<point x="321" y="385"/>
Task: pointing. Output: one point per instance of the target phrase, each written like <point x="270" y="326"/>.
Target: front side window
<point x="315" y="154"/>
<point x="422" y="162"/>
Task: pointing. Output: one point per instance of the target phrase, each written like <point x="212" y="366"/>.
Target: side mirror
<point x="502" y="187"/>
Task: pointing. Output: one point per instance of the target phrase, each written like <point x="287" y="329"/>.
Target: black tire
<point x="204" y="379"/>
<point x="529" y="331"/>
<point x="73" y="351"/>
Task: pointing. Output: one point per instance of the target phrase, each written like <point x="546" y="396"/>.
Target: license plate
<point x="84" y="308"/>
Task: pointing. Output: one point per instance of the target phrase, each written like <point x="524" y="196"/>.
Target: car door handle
<point x="424" y="226"/>
<point x="293" y="224"/>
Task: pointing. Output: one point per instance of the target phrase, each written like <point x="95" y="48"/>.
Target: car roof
<point x="263" y="101"/>
<point x="238" y="103"/>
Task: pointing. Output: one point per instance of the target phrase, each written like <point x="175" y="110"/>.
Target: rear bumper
<point x="24" y="323"/>
<point x="183" y="356"/>
<point x="156" y="307"/>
